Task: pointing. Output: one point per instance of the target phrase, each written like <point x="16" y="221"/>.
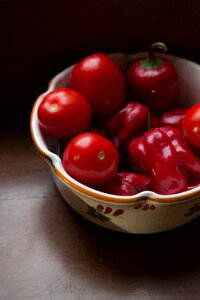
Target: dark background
<point x="41" y="38"/>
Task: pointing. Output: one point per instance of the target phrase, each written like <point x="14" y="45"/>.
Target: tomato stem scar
<point x="101" y="155"/>
<point x="54" y="106"/>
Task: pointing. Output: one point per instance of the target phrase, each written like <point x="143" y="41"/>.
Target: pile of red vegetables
<point x="123" y="131"/>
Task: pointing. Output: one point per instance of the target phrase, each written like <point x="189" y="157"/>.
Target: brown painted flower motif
<point x="145" y="206"/>
<point x="193" y="210"/>
<point x="103" y="213"/>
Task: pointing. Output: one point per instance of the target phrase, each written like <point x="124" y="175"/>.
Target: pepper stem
<point x="151" y="61"/>
<point x="155" y="47"/>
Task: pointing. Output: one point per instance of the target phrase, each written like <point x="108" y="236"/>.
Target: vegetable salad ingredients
<point x="126" y="184"/>
<point x="129" y="122"/>
<point x="64" y="113"/>
<point x="191" y="125"/>
<point x="173" y="117"/>
<point x="91" y="159"/>
<point x="99" y="79"/>
<point x="164" y="156"/>
<point x="124" y="143"/>
<point x="153" y="80"/>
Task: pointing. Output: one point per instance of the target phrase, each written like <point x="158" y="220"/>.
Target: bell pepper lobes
<point x="164" y="155"/>
<point x="126" y="184"/>
<point x="173" y="117"/>
<point x="131" y="121"/>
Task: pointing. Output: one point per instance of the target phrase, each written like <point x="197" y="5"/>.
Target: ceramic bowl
<point x="146" y="212"/>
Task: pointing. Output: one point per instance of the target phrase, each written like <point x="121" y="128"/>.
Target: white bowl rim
<point x="56" y="163"/>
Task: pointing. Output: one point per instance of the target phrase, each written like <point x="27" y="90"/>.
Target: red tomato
<point x="98" y="78"/>
<point x="63" y="113"/>
<point x="191" y="125"/>
<point x="90" y="159"/>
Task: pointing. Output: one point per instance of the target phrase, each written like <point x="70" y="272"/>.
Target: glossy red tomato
<point x="90" y="159"/>
<point x="191" y="125"/>
<point x="63" y="113"/>
<point x="98" y="78"/>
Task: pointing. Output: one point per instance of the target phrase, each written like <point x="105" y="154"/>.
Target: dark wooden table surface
<point x="47" y="251"/>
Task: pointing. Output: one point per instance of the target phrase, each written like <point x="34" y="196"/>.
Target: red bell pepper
<point x="126" y="184"/>
<point x="173" y="117"/>
<point x="164" y="155"/>
<point x="131" y="121"/>
<point x="154" y="80"/>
